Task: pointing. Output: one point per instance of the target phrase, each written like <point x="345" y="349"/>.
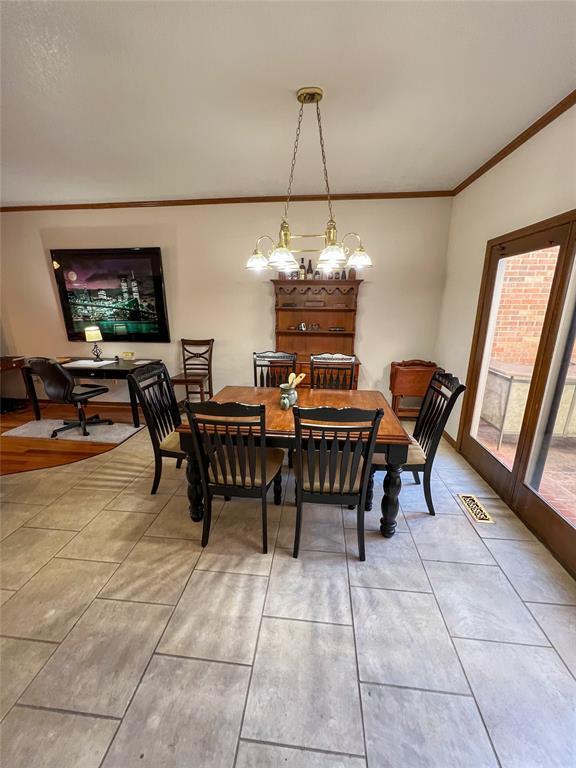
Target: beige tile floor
<point x="124" y="644"/>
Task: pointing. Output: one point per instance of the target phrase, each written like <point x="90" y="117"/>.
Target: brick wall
<point x="523" y="302"/>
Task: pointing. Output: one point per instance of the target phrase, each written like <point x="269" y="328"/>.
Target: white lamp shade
<point x="282" y="259"/>
<point x="257" y="261"/>
<point x="332" y="256"/>
<point x="359" y="259"/>
<point x="93" y="333"/>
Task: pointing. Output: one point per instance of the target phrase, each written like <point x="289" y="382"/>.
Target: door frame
<point x="540" y="517"/>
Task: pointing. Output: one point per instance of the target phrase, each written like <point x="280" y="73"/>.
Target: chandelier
<point x="334" y="255"/>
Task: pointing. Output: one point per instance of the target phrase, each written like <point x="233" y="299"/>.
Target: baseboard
<point x="450" y="440"/>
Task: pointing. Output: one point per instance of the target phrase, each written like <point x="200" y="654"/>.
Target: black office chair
<point x="60" y="387"/>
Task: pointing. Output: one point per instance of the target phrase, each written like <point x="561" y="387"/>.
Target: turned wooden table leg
<point x="390" y="506"/>
<point x="370" y="490"/>
<point x="195" y="497"/>
<point x="278" y="489"/>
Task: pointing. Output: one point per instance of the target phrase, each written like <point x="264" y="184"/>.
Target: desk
<point x="392" y="437"/>
<point x="116" y="369"/>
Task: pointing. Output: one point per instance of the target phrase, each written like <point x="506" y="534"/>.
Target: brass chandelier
<point x="334" y="255"/>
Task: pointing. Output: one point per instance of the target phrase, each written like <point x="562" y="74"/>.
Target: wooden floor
<point x="19" y="454"/>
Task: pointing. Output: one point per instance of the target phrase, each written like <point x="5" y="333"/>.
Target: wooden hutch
<point x="327" y="307"/>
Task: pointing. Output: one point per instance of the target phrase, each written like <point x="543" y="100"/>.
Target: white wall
<point x="209" y="293"/>
<point x="535" y="182"/>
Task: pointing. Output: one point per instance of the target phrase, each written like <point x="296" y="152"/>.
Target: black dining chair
<point x="334" y="449"/>
<point x="60" y="387"/>
<point x="273" y="368"/>
<point x="332" y="371"/>
<point x="229" y="442"/>
<point x="155" y="393"/>
<point x="440" y="398"/>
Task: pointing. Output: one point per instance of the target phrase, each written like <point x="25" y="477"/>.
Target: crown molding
<point x="558" y="109"/>
<point x="226" y="201"/>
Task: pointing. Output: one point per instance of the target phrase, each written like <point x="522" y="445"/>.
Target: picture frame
<point x="120" y="290"/>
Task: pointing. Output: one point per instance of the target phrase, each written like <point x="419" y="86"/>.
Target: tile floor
<point x="124" y="644"/>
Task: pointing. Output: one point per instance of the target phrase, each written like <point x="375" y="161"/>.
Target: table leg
<point x="195" y="497"/>
<point x="31" y="392"/>
<point x="134" y="406"/>
<point x="392" y="485"/>
<point x="370" y="491"/>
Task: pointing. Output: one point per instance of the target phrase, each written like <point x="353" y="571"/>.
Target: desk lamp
<point x="93" y="333"/>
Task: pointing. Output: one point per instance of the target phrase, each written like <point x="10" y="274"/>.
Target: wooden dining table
<point x="392" y="438"/>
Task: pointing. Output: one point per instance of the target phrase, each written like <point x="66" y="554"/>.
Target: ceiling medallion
<point x="334" y="255"/>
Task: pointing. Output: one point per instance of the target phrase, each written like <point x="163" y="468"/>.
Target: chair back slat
<point x="345" y="460"/>
<point x="155" y="393"/>
<point x="443" y="391"/>
<point x="334" y="448"/>
<point x="273" y="368"/>
<point x="229" y="442"/>
<point x="332" y="371"/>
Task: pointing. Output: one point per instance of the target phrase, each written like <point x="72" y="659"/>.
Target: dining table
<point x="392" y="438"/>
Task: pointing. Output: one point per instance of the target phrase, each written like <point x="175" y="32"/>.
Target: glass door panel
<point x="519" y="301"/>
<point x="552" y="467"/>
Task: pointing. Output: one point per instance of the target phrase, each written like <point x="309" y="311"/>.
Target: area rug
<point x="475" y="509"/>
<point x="99" y="433"/>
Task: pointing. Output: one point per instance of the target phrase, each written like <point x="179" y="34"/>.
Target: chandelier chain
<point x="326" y="182"/>
<point x="291" y="178"/>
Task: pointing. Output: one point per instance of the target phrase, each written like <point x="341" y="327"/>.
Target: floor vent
<point x="474" y="508"/>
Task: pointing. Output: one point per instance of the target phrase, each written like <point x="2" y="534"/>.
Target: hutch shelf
<point x="328" y="310"/>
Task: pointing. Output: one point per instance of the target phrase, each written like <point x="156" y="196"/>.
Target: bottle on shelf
<point x="302" y="270"/>
<point x="309" y="271"/>
<point x="336" y="275"/>
<point x="351" y="274"/>
<point x="330" y="275"/>
<point x="343" y="275"/>
<point x="317" y="275"/>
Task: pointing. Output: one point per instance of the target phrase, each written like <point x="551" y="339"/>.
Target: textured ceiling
<point x="150" y="100"/>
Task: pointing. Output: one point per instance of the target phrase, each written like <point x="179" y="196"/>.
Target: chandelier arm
<point x="352" y="234"/>
<point x="326" y="182"/>
<point x="291" y="177"/>
<point x="265" y="237"/>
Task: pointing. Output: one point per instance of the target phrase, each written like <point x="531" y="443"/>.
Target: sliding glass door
<point x="519" y="418"/>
